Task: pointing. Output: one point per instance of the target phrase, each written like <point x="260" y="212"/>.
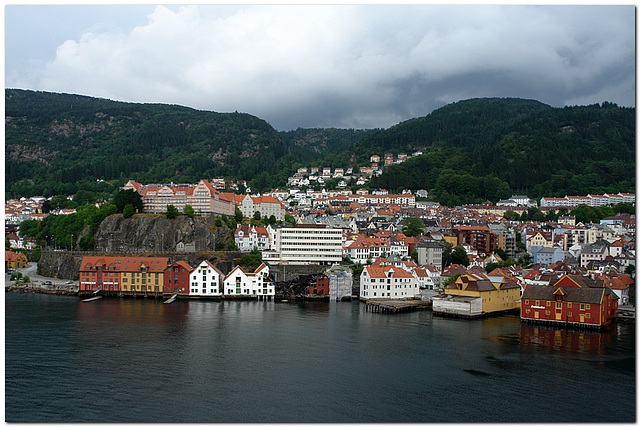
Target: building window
<point x="569" y="305"/>
<point x="587" y="316"/>
<point x="581" y="306"/>
<point x="588" y="306"/>
<point x="558" y="305"/>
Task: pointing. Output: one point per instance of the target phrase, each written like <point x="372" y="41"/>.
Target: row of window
<point x="559" y="304"/>
<point x="569" y="313"/>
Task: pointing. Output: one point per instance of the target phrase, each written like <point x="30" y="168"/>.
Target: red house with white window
<point x="320" y="288"/>
<point x="176" y="278"/>
<point x="570" y="301"/>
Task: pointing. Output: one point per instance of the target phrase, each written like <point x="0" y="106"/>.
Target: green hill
<point x="474" y="150"/>
<point x="487" y="149"/>
<point x="59" y="143"/>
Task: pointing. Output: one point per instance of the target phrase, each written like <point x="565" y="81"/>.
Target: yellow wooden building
<point x="497" y="293"/>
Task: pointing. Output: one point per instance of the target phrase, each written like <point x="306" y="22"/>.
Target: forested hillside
<point x="59" y="143"/>
<point x="488" y="149"/>
<point x="474" y="150"/>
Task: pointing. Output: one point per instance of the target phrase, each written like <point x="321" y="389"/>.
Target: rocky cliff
<point x="157" y="233"/>
<point x="182" y="238"/>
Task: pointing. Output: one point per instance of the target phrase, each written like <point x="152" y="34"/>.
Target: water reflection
<point x="565" y="339"/>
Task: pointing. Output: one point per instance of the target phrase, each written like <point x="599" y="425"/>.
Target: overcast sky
<point x="357" y="66"/>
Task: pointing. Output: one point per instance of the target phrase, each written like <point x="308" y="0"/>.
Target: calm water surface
<point x="204" y="361"/>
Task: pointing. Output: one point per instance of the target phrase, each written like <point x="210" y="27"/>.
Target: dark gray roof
<point x="579" y="295"/>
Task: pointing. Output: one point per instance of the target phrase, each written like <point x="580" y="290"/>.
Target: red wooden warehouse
<point x="176" y="278"/>
<point x="571" y="301"/>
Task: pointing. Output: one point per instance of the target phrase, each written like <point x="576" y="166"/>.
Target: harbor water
<point x="128" y="360"/>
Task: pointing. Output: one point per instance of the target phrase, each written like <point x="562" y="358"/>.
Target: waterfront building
<point x="474" y="295"/>
<point x="176" y="278"/>
<point x="340" y="282"/>
<point x="320" y="288"/>
<point x="14" y="260"/>
<point x="572" y="300"/>
<point x="205" y="280"/>
<point x="127" y="274"/>
<point x="244" y="284"/>
<point x="383" y="281"/>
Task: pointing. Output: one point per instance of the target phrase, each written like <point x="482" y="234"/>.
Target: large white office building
<point x="305" y="244"/>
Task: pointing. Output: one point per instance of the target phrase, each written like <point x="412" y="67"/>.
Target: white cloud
<point x="355" y="66"/>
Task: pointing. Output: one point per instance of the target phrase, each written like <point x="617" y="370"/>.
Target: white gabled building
<point x="381" y="281"/>
<point x="205" y="280"/>
<point x="428" y="277"/>
<point x="256" y="285"/>
<point x="248" y="238"/>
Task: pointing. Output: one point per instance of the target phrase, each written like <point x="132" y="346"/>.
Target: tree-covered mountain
<point x="59" y="143"/>
<point x="488" y="149"/>
<point x="474" y="150"/>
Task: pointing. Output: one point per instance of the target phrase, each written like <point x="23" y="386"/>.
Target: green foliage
<point x="511" y="215"/>
<point x="459" y="256"/>
<point x="487" y="149"/>
<point x="127" y="197"/>
<point x="588" y="214"/>
<point x="446" y="282"/>
<point x="473" y="150"/>
<point x="414" y="255"/>
<point x="289" y="219"/>
<point x="28" y="228"/>
<point x="188" y="211"/>
<point x="251" y="260"/>
<point x="128" y="211"/>
<point x="238" y="215"/>
<point x="36" y="254"/>
<point x="412" y="226"/>
<point x="624" y="208"/>
<point x="172" y="212"/>
<point x="357" y="269"/>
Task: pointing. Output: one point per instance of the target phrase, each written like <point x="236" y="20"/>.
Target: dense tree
<point x="172" y="212"/>
<point x="473" y="150"/>
<point x="128" y="211"/>
<point x="459" y="256"/>
<point x="251" y="260"/>
<point x="127" y="197"/>
<point x="188" y="211"/>
<point x="412" y="226"/>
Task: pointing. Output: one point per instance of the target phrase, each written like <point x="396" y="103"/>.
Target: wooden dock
<point x="91" y="299"/>
<point x="396" y="306"/>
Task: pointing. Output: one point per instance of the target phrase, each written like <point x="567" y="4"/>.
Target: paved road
<point x="31" y="271"/>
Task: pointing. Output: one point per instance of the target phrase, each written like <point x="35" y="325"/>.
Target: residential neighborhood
<point x="338" y="228"/>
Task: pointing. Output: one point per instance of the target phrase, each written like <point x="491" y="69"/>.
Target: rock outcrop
<point x="182" y="238"/>
<point x="157" y="233"/>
